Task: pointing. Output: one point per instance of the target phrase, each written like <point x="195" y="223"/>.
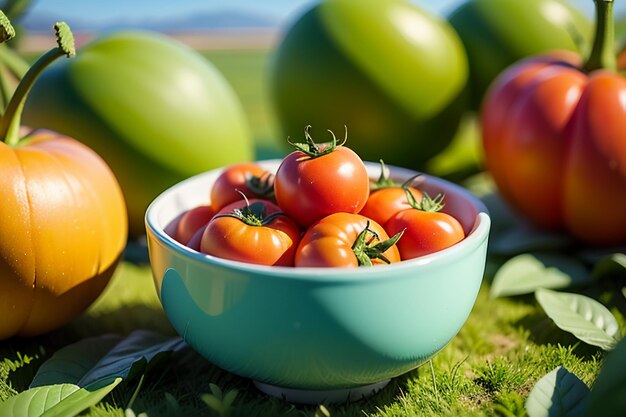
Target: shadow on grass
<point x="187" y="376"/>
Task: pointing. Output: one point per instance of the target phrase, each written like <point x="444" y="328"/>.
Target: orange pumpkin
<point x="63" y="220"/>
<point x="62" y="230"/>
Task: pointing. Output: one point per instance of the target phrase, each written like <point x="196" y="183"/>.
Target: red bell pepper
<point x="554" y="135"/>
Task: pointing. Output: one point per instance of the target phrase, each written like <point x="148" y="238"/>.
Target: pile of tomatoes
<point x="320" y="209"/>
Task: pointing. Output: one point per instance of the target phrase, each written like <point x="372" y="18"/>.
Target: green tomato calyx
<point x="365" y="247"/>
<point x="254" y="214"/>
<point x="315" y="150"/>
<point x="385" y="180"/>
<point x="428" y="204"/>
<point x="261" y="185"/>
<point x="11" y="120"/>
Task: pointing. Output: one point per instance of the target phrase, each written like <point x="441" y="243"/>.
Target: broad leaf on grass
<point x="608" y="394"/>
<point x="613" y="265"/>
<point x="59" y="400"/>
<point x="525" y="273"/>
<point x="104" y="357"/>
<point x="559" y="393"/>
<point x="582" y="316"/>
<point x="69" y="364"/>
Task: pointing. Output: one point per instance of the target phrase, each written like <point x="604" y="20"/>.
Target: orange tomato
<point x="253" y="231"/>
<point x="330" y="242"/>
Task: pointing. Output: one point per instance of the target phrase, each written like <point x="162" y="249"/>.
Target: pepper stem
<point x="11" y="120"/>
<point x="602" y="54"/>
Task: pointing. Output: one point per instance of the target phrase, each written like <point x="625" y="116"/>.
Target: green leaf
<point x="69" y="364"/>
<point x="582" y="316"/>
<point x="59" y="400"/>
<point x="212" y="401"/>
<point x="613" y="265"/>
<point x="559" y="393"/>
<point x="608" y="394"/>
<point x="105" y="357"/>
<point x="82" y="399"/>
<point x="525" y="273"/>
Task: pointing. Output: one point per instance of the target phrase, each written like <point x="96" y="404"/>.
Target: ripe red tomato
<point x="318" y="180"/>
<point x="248" y="178"/>
<point x="191" y="221"/>
<point x="253" y="231"/>
<point x="346" y="240"/>
<point x="426" y="229"/>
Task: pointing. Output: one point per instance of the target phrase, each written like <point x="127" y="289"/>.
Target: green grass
<point x="503" y="349"/>
<point x="487" y="370"/>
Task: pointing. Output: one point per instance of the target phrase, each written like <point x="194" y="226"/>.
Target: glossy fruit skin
<point x="554" y="142"/>
<point x="382" y="204"/>
<point x="63" y="227"/>
<point x="308" y="189"/>
<point x="363" y="64"/>
<point x="191" y="221"/>
<point x="155" y="110"/>
<point x="231" y="238"/>
<point x="328" y="243"/>
<point x="424" y="232"/>
<point x="498" y="33"/>
<point x="229" y="185"/>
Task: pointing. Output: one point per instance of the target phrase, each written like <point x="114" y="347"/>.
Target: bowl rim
<point x="478" y="233"/>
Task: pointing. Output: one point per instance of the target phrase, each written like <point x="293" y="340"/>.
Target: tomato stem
<point x="365" y="249"/>
<point x="252" y="214"/>
<point x="11" y="120"/>
<point x="314" y="150"/>
<point x="261" y="185"/>
<point x="427" y="203"/>
<point x="602" y="54"/>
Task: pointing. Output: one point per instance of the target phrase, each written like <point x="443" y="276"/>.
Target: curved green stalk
<point x="10" y="121"/>
<point x="602" y="53"/>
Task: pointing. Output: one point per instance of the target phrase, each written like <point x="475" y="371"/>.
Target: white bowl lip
<point x="474" y="238"/>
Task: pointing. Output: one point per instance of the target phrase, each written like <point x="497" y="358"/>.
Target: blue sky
<point x="148" y="9"/>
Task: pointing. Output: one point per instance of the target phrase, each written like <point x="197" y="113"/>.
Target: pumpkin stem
<point x="11" y="120"/>
<point x="602" y="53"/>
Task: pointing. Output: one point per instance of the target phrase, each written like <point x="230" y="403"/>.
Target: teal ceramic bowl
<point x="298" y="332"/>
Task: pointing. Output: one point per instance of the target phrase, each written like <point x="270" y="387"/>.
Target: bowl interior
<point x="165" y="212"/>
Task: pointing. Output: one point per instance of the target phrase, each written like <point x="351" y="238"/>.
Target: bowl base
<point x="303" y="396"/>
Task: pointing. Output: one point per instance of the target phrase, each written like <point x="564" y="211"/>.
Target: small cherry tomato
<point x="426" y="228"/>
<point x="387" y="197"/>
<point x="253" y="231"/>
<point x="192" y="220"/>
<point x="317" y="180"/>
<point x="346" y="240"/>
<point x="248" y="178"/>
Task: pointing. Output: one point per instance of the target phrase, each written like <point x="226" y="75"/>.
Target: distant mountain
<point x="193" y="22"/>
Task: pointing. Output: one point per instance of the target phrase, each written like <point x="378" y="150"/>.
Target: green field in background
<point x="247" y="71"/>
